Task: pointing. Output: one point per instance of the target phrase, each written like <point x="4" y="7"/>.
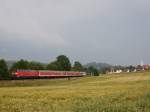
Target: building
<point x="146" y="67"/>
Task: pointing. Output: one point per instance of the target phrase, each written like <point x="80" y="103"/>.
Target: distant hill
<point x="99" y="66"/>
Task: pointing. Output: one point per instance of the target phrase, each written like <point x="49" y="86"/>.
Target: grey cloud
<point x="112" y="31"/>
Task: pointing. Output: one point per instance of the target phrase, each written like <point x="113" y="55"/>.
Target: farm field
<point x="107" y="93"/>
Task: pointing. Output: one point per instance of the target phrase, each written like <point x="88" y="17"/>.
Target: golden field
<point x="107" y="93"/>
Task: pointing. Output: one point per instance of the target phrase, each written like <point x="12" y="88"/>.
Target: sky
<point x="111" y="31"/>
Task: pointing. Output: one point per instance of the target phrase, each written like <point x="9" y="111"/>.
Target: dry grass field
<point x="108" y="93"/>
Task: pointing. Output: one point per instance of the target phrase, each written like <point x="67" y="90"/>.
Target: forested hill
<point x="99" y="66"/>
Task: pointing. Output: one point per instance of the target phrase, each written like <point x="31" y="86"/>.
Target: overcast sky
<point x="112" y="31"/>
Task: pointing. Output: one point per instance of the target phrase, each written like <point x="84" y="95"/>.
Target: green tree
<point x="63" y="63"/>
<point x="35" y="65"/>
<point x="4" y="74"/>
<point x="21" y="64"/>
<point x="77" y="66"/>
<point x="93" y="71"/>
<point x="53" y="66"/>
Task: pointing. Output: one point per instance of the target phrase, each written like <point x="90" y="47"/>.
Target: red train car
<point x="20" y="74"/>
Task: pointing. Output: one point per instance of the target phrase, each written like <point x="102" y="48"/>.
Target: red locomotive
<point x="21" y="74"/>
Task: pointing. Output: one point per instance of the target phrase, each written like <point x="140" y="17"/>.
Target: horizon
<point x="72" y="62"/>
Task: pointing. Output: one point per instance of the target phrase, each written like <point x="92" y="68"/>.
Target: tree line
<point x="62" y="63"/>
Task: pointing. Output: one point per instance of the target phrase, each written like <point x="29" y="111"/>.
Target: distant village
<point x="121" y="69"/>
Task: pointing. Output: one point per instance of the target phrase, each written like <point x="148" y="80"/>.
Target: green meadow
<point x="107" y="93"/>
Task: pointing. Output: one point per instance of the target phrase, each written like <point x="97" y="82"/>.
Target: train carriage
<point x="20" y="74"/>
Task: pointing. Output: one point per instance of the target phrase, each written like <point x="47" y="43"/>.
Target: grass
<point x="113" y="93"/>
